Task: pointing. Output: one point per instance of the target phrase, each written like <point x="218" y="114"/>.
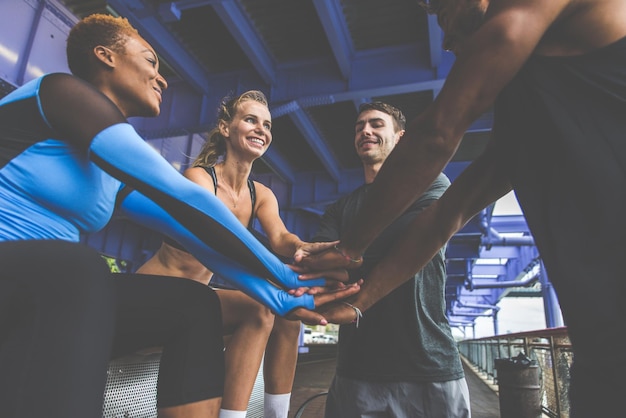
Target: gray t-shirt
<point x="406" y="335"/>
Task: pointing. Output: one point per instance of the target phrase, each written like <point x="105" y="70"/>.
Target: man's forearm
<point x="482" y="183"/>
<point x="407" y="173"/>
<point x="393" y="270"/>
<point x="485" y="63"/>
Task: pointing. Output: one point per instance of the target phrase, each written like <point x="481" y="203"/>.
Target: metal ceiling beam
<point x="510" y="223"/>
<point x="316" y="142"/>
<point x="358" y="102"/>
<point x="279" y="165"/>
<point x="487" y="269"/>
<point x="367" y="91"/>
<point x="337" y="33"/>
<point x="498" y="252"/>
<point x="527" y="277"/>
<point x="238" y="23"/>
<point x="386" y="64"/>
<point x="27" y="50"/>
<point x="193" y="4"/>
<point x="161" y="39"/>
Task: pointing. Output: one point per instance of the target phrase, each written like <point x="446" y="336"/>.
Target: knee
<point x="287" y="328"/>
<point x="261" y="316"/>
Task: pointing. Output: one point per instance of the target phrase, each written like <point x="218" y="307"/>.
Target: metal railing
<point x="550" y="348"/>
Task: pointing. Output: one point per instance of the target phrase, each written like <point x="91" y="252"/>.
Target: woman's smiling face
<point x="250" y="128"/>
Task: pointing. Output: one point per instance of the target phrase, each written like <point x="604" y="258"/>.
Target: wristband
<point x="358" y="312"/>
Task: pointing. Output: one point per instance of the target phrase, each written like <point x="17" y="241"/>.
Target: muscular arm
<point x="144" y="211"/>
<point x="482" y="183"/>
<point x="485" y="63"/>
<point x="290" y="245"/>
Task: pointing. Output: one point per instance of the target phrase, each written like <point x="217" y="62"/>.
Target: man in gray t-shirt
<point x="401" y="360"/>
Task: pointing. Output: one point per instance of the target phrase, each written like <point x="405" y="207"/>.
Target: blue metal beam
<point x="456" y="267"/>
<point x="194" y="4"/>
<point x="500" y="252"/>
<point x="336" y="29"/>
<point x="551" y="306"/>
<point x="279" y="165"/>
<point x="247" y="37"/>
<point x="369" y="91"/>
<point x="488" y="270"/>
<point x="25" y="55"/>
<point x="169" y="12"/>
<point x="358" y="102"/>
<point x="510" y="223"/>
<point x="528" y="276"/>
<point x="318" y="81"/>
<point x="403" y="62"/>
<point x="316" y="142"/>
<point x="462" y="249"/>
<point x="481" y="125"/>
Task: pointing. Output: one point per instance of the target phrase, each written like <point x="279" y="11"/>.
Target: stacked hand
<point x="332" y="257"/>
<point x="316" y="260"/>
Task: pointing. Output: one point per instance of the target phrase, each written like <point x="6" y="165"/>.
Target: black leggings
<point x="63" y="316"/>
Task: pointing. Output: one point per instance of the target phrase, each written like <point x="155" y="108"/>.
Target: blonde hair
<point x="91" y="31"/>
<point x="215" y="145"/>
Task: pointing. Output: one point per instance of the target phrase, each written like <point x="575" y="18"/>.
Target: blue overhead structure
<point x="316" y="60"/>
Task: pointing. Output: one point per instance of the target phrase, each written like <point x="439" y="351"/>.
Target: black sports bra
<point x="211" y="172"/>
<point x="251" y="187"/>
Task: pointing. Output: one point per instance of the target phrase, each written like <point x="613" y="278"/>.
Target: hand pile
<point x="327" y="260"/>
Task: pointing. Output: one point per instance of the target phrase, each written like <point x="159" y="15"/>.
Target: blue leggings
<point x="63" y="316"/>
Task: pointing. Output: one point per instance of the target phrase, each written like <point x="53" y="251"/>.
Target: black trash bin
<point x="519" y="387"/>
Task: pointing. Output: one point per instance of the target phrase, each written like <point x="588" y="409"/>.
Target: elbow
<point x="442" y="147"/>
<point x="438" y="137"/>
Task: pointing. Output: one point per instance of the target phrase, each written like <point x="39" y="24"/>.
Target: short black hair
<point x="91" y="31"/>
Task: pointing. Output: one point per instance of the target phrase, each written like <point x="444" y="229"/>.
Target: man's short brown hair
<point x="396" y="114"/>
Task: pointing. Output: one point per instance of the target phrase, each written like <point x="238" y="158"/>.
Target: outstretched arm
<point x="290" y="245"/>
<point x="281" y="240"/>
<point x="483" y="182"/>
<point x="145" y="212"/>
<point x="92" y="123"/>
<point x="485" y="63"/>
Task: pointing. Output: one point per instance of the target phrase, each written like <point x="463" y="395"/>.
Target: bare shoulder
<point x="200" y="176"/>
<point x="604" y="19"/>
<point x="585" y="25"/>
<point x="262" y="190"/>
<point x="263" y="193"/>
<point x="194" y="172"/>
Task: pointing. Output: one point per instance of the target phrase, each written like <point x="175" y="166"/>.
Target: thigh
<point x="448" y="399"/>
<point x="152" y="309"/>
<point x="182" y="316"/>
<point x="57" y="309"/>
<point x="237" y="308"/>
<point x="351" y="398"/>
